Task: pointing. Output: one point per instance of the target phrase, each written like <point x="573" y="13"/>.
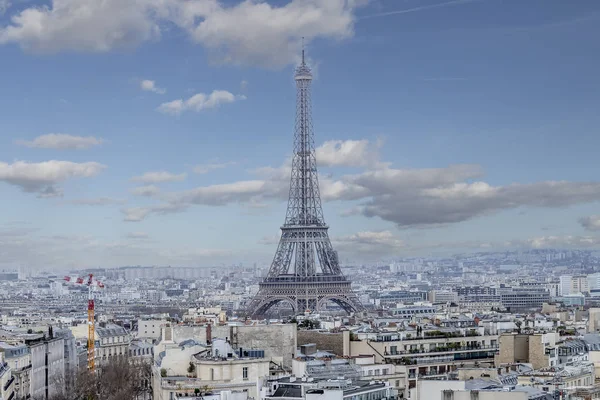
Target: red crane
<point x="91" y="283"/>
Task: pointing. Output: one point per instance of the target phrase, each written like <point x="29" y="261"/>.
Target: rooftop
<point x="110" y="330"/>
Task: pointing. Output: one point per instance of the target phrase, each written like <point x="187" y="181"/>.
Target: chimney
<point x="208" y="333"/>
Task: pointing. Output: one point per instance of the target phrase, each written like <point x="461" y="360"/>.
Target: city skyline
<point x="139" y="148"/>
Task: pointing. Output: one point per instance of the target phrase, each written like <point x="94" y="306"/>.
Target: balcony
<point x="10" y="381"/>
<point x="3" y="368"/>
<point x="22" y="369"/>
<point x="182" y="383"/>
<point x="423" y="359"/>
<point x="433" y="374"/>
<point x="444" y="349"/>
<point x="435" y="360"/>
<point x="428" y="335"/>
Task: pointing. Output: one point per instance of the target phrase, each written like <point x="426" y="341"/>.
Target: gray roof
<point x="140" y="345"/>
<point x="190" y="343"/>
<point x="592" y="340"/>
<point x="481" y="384"/>
<point x="110" y="330"/>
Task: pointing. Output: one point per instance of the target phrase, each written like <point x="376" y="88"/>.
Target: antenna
<point x="302" y="50"/>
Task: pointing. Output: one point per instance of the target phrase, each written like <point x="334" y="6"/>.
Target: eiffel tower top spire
<point x="303" y="71"/>
<point x="304" y="203"/>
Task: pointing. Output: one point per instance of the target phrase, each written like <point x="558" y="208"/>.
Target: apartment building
<point x="330" y="389"/>
<point x="535" y="349"/>
<point x="434" y="354"/>
<point x="181" y="369"/>
<point x="47" y="365"/>
<point x="111" y="341"/>
<point x="149" y="328"/>
<point x="563" y="377"/>
<point x="6" y="380"/>
<point x="18" y="358"/>
<point x="523" y="299"/>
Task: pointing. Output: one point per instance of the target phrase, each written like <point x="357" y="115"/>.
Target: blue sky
<point x="443" y="126"/>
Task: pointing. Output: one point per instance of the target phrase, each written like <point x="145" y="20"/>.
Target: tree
<point x="119" y="379"/>
<point x="191" y="368"/>
<point x="518" y="323"/>
<point x="310" y="324"/>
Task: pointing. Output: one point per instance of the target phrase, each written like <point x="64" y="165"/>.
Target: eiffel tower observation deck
<point x="305" y="272"/>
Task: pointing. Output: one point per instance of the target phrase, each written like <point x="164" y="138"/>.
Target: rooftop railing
<point x="440" y="335"/>
<point x="450" y="349"/>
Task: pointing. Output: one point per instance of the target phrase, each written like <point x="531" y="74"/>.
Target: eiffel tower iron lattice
<point x="305" y="271"/>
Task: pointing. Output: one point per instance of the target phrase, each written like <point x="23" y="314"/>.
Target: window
<point x="245" y="373"/>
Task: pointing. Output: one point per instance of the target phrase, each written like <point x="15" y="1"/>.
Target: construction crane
<point x="91" y="283"/>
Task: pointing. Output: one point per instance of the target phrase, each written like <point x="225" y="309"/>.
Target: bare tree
<point x="119" y="379"/>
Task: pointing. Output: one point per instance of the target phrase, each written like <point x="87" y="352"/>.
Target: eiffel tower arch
<point x="305" y="271"/>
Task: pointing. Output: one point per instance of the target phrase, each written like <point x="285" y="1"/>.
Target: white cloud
<point x="137" y="235"/>
<point x="150" y="86"/>
<point x="214" y="195"/>
<point x="386" y="238"/>
<point x="206" y="168"/>
<point x="591" y="223"/>
<point x="406" y="197"/>
<point x="148" y="190"/>
<point x="446" y="202"/>
<point x="348" y="153"/>
<point x="199" y="102"/>
<point x="4" y="6"/>
<point x="84" y="25"/>
<point x="62" y="141"/>
<point x="258" y="33"/>
<point x="248" y="32"/>
<point x="49" y="192"/>
<point x="136" y="214"/>
<point x="43" y="177"/>
<point x="99" y="201"/>
<point x="369" y="244"/>
<point x="426" y="197"/>
<point x="159" y="177"/>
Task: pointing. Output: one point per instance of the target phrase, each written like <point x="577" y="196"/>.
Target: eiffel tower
<point x="305" y="272"/>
